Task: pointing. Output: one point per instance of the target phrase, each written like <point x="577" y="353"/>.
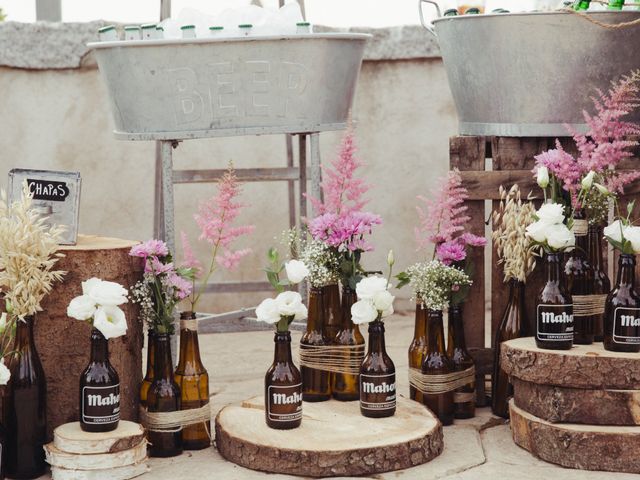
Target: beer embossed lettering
<point x="283" y="387"/>
<point x="99" y="389"/>
<point x="377" y="377"/>
<point x="622" y="310"/>
<point x="554" y="309"/>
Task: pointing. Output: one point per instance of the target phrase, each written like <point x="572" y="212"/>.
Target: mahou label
<point x="378" y="392"/>
<point x="100" y="405"/>
<point x="284" y="402"/>
<point x="626" y="325"/>
<point x="554" y="322"/>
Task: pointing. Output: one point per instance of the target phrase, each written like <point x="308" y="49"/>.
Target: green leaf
<point x="273" y="255"/>
<point x="403" y="279"/>
<point x="630" y="206"/>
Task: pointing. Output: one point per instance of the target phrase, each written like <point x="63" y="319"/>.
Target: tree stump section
<point x="584" y="366"/>
<point x="71" y="439"/>
<point x="119" y="473"/>
<point x="96" y="461"/>
<point x="64" y="343"/>
<point x="575" y="405"/>
<point x="586" y="447"/>
<point x="334" y="439"/>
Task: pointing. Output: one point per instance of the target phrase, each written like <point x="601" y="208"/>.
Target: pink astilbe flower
<point x="472" y="240"/>
<point x="444" y="216"/>
<point x="563" y="166"/>
<point x="617" y="182"/>
<point x="189" y="259"/>
<point x="230" y="259"/>
<point x="345" y="231"/>
<point x="451" y="252"/>
<point x="150" y="248"/>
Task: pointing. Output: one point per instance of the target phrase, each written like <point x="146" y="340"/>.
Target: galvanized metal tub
<point x="530" y="74"/>
<point x="180" y="89"/>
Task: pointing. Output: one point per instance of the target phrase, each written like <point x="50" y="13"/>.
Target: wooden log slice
<point x="584" y="366"/>
<point x="64" y="343"/>
<point x="118" y="473"/>
<point x="71" y="439"/>
<point x="334" y="439"/>
<point x="97" y="461"/>
<point x="576" y="405"/>
<point x="586" y="447"/>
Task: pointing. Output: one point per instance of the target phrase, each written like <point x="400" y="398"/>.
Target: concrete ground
<point x="479" y="448"/>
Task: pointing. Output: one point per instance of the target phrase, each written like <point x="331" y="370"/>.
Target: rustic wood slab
<point x="584" y="366"/>
<point x="334" y="439"/>
<point x="96" y="461"/>
<point x="578" y="405"/>
<point x="119" y="473"/>
<point x="586" y="447"/>
<point x="71" y="439"/>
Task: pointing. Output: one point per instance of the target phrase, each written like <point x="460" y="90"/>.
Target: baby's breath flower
<point x="433" y="283"/>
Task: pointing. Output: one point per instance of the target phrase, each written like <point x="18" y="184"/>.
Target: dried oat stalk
<point x="28" y="254"/>
<point x="509" y="239"/>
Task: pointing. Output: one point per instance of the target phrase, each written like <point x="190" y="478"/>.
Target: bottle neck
<point x="457" y="327"/>
<point x="24" y="332"/>
<point x="99" y="347"/>
<point x="627" y="270"/>
<point x="282" y="353"/>
<point x="162" y="365"/>
<point x="552" y="267"/>
<point x="189" y="345"/>
<point x="420" y="328"/>
<point x="594" y="246"/>
<point x="316" y="310"/>
<point x="376" y="337"/>
<point x="516" y="292"/>
<point x="151" y="347"/>
<point x="580" y="230"/>
<point x="435" y="331"/>
<point x="349" y="297"/>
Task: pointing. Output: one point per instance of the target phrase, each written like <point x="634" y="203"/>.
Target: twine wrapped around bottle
<point x="580" y="227"/>
<point x="436" y="384"/>
<point x="189" y="324"/>
<point x="345" y="359"/>
<point x="169" y="422"/>
<point x="587" y="305"/>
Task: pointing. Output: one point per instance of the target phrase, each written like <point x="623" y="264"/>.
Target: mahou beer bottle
<point x="193" y="380"/>
<point x="464" y="398"/>
<point x="554" y="309"/>
<point x="164" y="396"/>
<point x="148" y="377"/>
<point x="601" y="282"/>
<point x="436" y="362"/>
<point x="331" y="306"/>
<point x="315" y="383"/>
<point x="345" y="387"/>
<point x="99" y="389"/>
<point x="579" y="275"/>
<point x="418" y="347"/>
<point x="26" y="411"/>
<point x="283" y="387"/>
<point x="622" y="310"/>
<point x="377" y="377"/>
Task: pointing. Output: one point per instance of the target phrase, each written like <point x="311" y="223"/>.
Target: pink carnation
<point x="155" y="266"/>
<point x="150" y="248"/>
<point x="182" y="287"/>
<point x="451" y="252"/>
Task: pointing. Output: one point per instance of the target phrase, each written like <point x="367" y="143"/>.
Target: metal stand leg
<point x="158" y="210"/>
<point x="302" y="164"/>
<point x="316" y="171"/>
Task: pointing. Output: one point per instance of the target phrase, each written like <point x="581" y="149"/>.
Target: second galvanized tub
<point x="180" y="89"/>
<point x="530" y="74"/>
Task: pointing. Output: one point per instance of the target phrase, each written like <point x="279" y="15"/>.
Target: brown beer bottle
<point x="579" y="275"/>
<point x="377" y="377"/>
<point x="436" y="362"/>
<point x="601" y="282"/>
<point x="283" y="387"/>
<point x="315" y="383"/>
<point x="148" y="378"/>
<point x="163" y="396"/>
<point x="331" y="305"/>
<point x="418" y="347"/>
<point x="464" y="398"/>
<point x="26" y="412"/>
<point x="622" y="310"/>
<point x="513" y="325"/>
<point x="193" y="380"/>
<point x="345" y="387"/>
<point x="99" y="389"/>
<point x="554" y="309"/>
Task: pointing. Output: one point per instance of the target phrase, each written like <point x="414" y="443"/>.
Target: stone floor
<point x="479" y="448"/>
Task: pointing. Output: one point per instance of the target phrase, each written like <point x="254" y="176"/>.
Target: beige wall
<point x="59" y="119"/>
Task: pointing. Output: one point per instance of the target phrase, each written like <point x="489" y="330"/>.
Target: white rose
<point x="363" y="311"/>
<point x="111" y="322"/>
<point x="87" y="285"/>
<point x="5" y="373"/>
<point x="383" y="301"/>
<point x="633" y="235"/>
<point x="289" y="304"/>
<point x="587" y="181"/>
<point x="614" y="231"/>
<point x="301" y="312"/>
<point x="560" y="237"/>
<point x="543" y="177"/>
<point x="107" y="293"/>
<point x="268" y="311"/>
<point x="369" y="286"/>
<point x="551" y="213"/>
<point x="296" y="271"/>
<point x="81" y="308"/>
<point x="537" y="231"/>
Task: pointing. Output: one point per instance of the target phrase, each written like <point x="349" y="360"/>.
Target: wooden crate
<point x="485" y="163"/>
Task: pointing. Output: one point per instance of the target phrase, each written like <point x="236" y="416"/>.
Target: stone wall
<point x="55" y="116"/>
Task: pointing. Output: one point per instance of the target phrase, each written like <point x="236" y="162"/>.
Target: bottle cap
<point x="451" y="12"/>
<point x="245" y="25"/>
<point x="159" y="28"/>
<point x="131" y="28"/>
<point x="148" y="25"/>
<point x="187" y="27"/>
<point x="303" y="24"/>
<point x="472" y="11"/>
<point x="216" y="28"/>
<point x="106" y="29"/>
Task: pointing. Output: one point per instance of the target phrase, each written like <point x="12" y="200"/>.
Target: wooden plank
<point x="288" y="174"/>
<point x="231" y="287"/>
<point x="468" y="154"/>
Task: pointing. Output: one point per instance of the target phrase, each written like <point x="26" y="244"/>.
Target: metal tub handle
<point x="424" y="24"/>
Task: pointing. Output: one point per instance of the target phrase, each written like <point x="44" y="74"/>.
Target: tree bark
<point x="71" y="439"/>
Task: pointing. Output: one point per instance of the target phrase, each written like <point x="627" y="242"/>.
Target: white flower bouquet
<point x="622" y="235"/>
<point x="549" y="230"/>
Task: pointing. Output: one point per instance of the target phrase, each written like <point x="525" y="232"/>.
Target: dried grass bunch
<point x="511" y="243"/>
<point x="28" y="254"/>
